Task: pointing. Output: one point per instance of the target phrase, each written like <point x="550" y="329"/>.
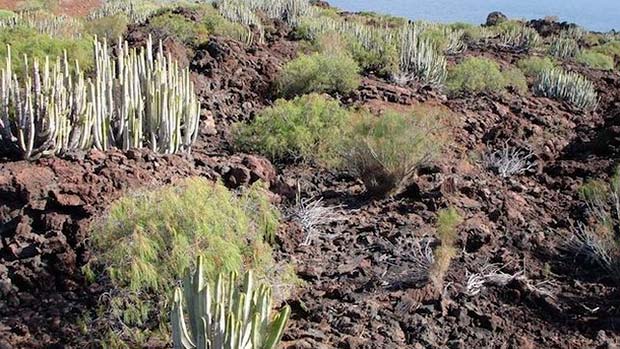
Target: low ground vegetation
<point x="306" y="128"/>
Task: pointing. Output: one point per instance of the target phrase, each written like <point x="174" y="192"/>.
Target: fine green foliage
<point x="110" y="28"/>
<point x="178" y="26"/>
<point x="6" y="14"/>
<point x="533" y="66"/>
<point x="611" y="48"/>
<point x="595" y="60"/>
<point x="305" y="128"/>
<point x="148" y="239"/>
<point x="385" y="152"/>
<point x="475" y="75"/>
<point x="224" y="316"/>
<point x="447" y="222"/>
<point x="515" y="79"/>
<point x="27" y="41"/>
<point x="333" y="73"/>
<point x="567" y="86"/>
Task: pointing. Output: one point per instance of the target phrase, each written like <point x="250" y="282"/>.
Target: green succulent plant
<point x="225" y="317"/>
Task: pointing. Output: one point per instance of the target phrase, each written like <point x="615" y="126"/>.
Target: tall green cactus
<point x="225" y="317"/>
<point x="138" y="99"/>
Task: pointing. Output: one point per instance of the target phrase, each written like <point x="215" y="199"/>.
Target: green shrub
<point x="305" y="128"/>
<point x="319" y="72"/>
<point x="148" y="240"/>
<point x="385" y="152"/>
<point x="179" y="27"/>
<point x="218" y="25"/>
<point x="611" y="49"/>
<point x="515" y="78"/>
<point x="475" y="75"/>
<point x="567" y="86"/>
<point x="595" y="60"/>
<point x="110" y="28"/>
<point x="26" y="41"/>
<point x="532" y="66"/>
<point x="4" y="14"/>
<point x="447" y="223"/>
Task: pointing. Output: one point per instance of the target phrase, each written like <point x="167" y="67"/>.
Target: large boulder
<point x="495" y="18"/>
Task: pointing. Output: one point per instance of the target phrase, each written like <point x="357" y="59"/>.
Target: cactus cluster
<point x="520" y="37"/>
<point x="44" y="23"/>
<point x="563" y="47"/>
<point x="139" y="99"/>
<point x="240" y="12"/>
<point x="420" y="58"/>
<point x="224" y="317"/>
<point x="135" y="13"/>
<point x="567" y="86"/>
<point x="245" y="13"/>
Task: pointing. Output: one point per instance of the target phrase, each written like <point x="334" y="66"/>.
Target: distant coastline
<point x="594" y="15"/>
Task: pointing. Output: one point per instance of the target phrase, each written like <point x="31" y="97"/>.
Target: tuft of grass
<point x="598" y="241"/>
<point x="305" y="128"/>
<point x="385" y="152"/>
<point x="150" y="238"/>
<point x="333" y="73"/>
<point x="447" y="222"/>
<point x="533" y="66"/>
<point x="595" y="60"/>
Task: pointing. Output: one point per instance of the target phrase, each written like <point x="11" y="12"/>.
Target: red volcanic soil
<point x="76" y="8"/>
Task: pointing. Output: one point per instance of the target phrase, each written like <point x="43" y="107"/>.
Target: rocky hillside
<point x="515" y="280"/>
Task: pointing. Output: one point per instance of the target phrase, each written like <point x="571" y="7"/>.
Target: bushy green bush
<point x="305" y="128"/>
<point x="26" y="41"/>
<point x="611" y="49"/>
<point x="179" y="27"/>
<point x="4" y="14"/>
<point x="216" y="24"/>
<point x="532" y="66"/>
<point x="110" y="27"/>
<point x="515" y="78"/>
<point x="148" y="240"/>
<point x="385" y="152"/>
<point x="595" y="60"/>
<point x="319" y="72"/>
<point x="475" y="75"/>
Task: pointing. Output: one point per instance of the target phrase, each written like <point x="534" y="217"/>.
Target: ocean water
<point x="597" y="15"/>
